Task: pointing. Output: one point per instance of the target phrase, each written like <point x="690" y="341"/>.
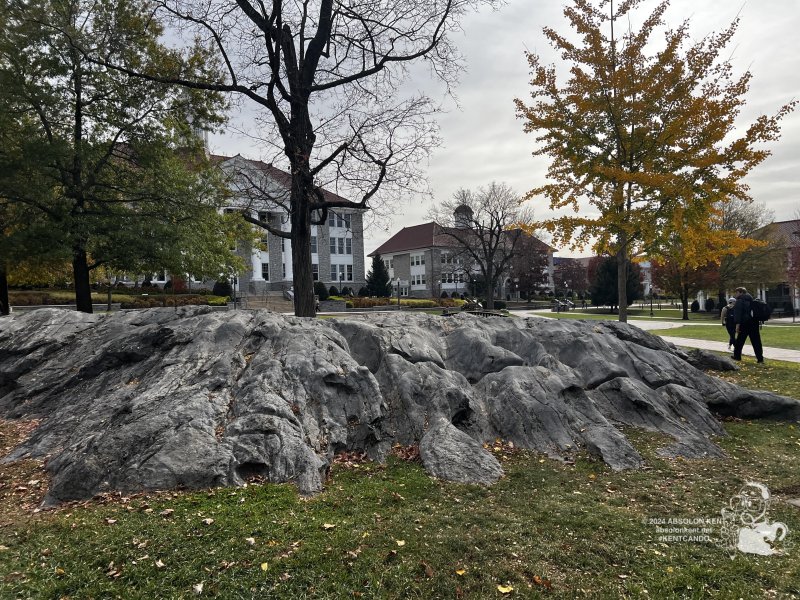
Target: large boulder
<point x="449" y="453"/>
<point x="163" y="398"/>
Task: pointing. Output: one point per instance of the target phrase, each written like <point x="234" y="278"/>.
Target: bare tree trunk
<point x="5" y="305"/>
<point x="489" y="288"/>
<point x="685" y="301"/>
<point x="80" y="275"/>
<point x="622" y="284"/>
<point x="304" y="305"/>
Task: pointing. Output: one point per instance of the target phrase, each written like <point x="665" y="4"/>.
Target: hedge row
<point x="36" y="299"/>
<point x="178" y="300"/>
<point x="359" y="302"/>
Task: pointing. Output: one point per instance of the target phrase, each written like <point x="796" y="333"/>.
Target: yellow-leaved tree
<point x="644" y="143"/>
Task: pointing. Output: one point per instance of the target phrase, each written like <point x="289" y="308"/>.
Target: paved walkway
<point x="769" y="353"/>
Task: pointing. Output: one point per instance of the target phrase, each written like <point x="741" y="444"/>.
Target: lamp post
<point x="235" y="291"/>
<point x="341" y="279"/>
<point x="398" y="293"/>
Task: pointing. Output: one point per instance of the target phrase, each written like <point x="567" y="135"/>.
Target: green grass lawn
<point x="666" y="314"/>
<point x="547" y="529"/>
<point x="777" y="336"/>
<point x="774" y="376"/>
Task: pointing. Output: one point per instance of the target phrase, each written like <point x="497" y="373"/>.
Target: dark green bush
<point x="223" y="288"/>
<point x="333" y="291"/>
<point x="320" y="290"/>
<point x="149" y="288"/>
<point x="363" y="292"/>
<point x="695" y="306"/>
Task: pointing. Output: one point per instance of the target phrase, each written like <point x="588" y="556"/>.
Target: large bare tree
<point x="328" y="76"/>
<point x="487" y="228"/>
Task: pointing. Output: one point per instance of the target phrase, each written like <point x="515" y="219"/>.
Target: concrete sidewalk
<point x="769" y="353"/>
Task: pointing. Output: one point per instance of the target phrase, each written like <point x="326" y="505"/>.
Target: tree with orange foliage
<point x="648" y="139"/>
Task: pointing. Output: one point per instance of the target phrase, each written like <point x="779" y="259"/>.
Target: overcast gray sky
<point x="484" y="141"/>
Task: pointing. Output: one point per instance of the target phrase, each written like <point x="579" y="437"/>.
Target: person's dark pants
<point x="751" y="330"/>
<point x="731" y="334"/>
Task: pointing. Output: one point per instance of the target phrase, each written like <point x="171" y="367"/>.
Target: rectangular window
<point x="347" y="220"/>
<point x="334" y="276"/>
<point x="348" y="246"/>
<point x="333" y="245"/>
<point x="349" y="272"/>
<point x="313" y="244"/>
<point x="284" y="270"/>
<point x="283" y="244"/>
<point x="341" y="245"/>
<point x="265" y="271"/>
<point x="315" y="271"/>
<point x="422" y="259"/>
<point x="339" y="221"/>
<point x="331" y="218"/>
<point x="263" y="216"/>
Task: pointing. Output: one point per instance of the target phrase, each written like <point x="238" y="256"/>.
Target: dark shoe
<point x="761" y="360"/>
<point x="734" y="357"/>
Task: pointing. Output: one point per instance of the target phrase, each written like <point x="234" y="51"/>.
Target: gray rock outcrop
<point x="164" y="398"/>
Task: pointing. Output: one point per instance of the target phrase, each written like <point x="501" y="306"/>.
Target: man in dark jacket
<point x="746" y="326"/>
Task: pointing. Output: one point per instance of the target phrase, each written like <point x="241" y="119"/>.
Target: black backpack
<point x="761" y="310"/>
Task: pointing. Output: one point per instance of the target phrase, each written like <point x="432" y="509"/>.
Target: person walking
<point x="728" y="322"/>
<point x="746" y="326"/>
